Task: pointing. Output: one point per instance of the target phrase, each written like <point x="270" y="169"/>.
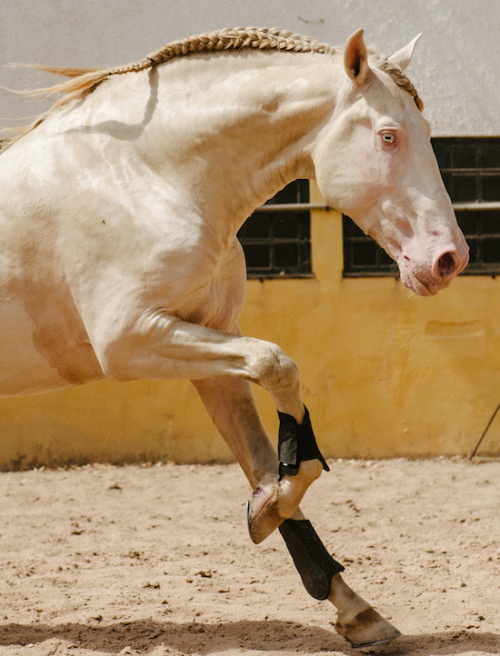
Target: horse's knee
<point x="272" y="368"/>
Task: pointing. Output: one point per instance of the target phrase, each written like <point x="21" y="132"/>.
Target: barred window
<point x="471" y="173"/>
<point x="277" y="237"/>
<point x="470" y="168"/>
<point x="363" y="257"/>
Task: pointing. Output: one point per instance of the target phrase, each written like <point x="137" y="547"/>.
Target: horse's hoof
<point x="275" y="500"/>
<point x="262" y="514"/>
<point x="367" y="629"/>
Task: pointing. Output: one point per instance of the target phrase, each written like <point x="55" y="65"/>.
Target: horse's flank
<point x="83" y="81"/>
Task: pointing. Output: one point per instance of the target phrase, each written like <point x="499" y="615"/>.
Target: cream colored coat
<point x="118" y="221"/>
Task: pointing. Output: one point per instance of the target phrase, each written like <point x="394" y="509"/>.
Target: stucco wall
<point x="455" y="68"/>
<point x="385" y="373"/>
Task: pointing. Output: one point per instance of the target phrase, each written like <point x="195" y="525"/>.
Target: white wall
<point x="456" y="67"/>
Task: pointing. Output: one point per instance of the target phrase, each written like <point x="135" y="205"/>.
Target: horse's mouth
<point x="420" y="287"/>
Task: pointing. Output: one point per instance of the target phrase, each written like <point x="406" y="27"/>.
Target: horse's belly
<point x="23" y="368"/>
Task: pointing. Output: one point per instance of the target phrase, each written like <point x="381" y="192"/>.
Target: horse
<point x="119" y="260"/>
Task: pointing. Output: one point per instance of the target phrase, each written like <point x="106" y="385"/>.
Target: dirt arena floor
<point x="156" y="560"/>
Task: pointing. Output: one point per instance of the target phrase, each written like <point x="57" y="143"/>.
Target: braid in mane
<point x="397" y="75"/>
<point x="83" y="81"/>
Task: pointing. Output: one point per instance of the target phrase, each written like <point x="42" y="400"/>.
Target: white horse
<point x="119" y="209"/>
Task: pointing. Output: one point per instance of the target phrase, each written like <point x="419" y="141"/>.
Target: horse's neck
<point x="234" y="130"/>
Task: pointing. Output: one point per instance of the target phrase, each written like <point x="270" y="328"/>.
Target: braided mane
<point x="82" y="81"/>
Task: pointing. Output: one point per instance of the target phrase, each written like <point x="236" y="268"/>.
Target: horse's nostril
<point x="447" y="265"/>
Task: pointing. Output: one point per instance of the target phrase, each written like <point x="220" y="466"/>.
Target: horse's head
<point x="375" y="163"/>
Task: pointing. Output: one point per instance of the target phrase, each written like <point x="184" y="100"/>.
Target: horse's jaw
<point x="427" y="245"/>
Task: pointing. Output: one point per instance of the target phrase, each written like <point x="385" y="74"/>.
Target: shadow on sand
<point x="251" y="635"/>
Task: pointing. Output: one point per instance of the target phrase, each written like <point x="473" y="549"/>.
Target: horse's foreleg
<point x="300" y="463"/>
<point x="231" y="406"/>
<point x="163" y="346"/>
<point x="356" y="621"/>
<point x="276" y="494"/>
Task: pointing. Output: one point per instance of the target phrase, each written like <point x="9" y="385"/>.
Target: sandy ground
<point x="156" y="560"/>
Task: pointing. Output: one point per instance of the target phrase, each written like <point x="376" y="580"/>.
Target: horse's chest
<point x="221" y="299"/>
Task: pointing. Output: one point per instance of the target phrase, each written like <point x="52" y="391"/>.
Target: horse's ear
<point x="356" y="58"/>
<point x="403" y="57"/>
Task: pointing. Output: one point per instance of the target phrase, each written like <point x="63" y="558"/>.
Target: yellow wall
<point x="385" y="373"/>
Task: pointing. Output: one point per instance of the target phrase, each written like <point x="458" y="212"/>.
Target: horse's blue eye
<point x="388" y="138"/>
